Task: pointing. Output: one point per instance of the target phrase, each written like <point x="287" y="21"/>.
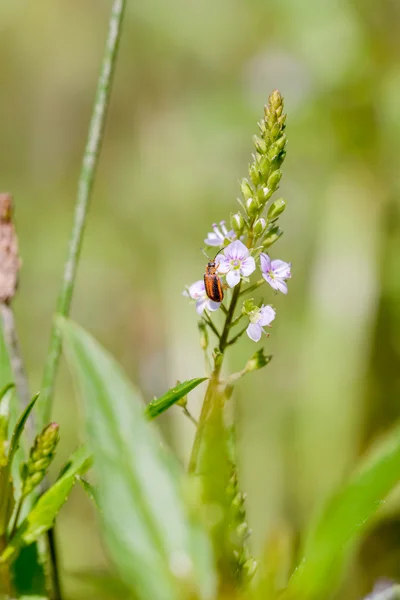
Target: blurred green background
<point x="190" y="85"/>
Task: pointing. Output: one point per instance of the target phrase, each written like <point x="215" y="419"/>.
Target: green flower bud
<point x="252" y="206"/>
<point x="255" y="174"/>
<point x="248" y="306"/>
<point x="274" y="179"/>
<point x="246" y="189"/>
<point x="259" y="227"/>
<point x="237" y="223"/>
<point x="277" y="207"/>
<point x="257" y="361"/>
<point x="40" y="457"/>
<point x="260" y="145"/>
<point x="250" y="567"/>
<point x="203" y="335"/>
<point x="273" y="234"/>
<point x="264" y="166"/>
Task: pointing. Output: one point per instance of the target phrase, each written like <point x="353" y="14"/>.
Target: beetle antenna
<point x="218" y="253"/>
<point x="205" y="253"/>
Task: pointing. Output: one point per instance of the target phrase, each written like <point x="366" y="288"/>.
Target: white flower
<point x="275" y="272"/>
<point x="235" y="263"/>
<point x="259" y="318"/>
<point x="219" y="235"/>
<point x="197" y="291"/>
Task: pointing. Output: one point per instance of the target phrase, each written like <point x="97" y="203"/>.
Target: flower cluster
<point x="253" y="230"/>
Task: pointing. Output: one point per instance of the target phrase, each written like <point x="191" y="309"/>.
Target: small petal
<point x="248" y="266"/>
<point x="197" y="289"/>
<point x="233" y="278"/>
<point x="211" y="305"/>
<point x="265" y="262"/>
<point x="254" y="332"/>
<point x="201" y="305"/>
<point x="236" y="251"/>
<point x="281" y="286"/>
<point x="281" y="269"/>
<point x="267" y="315"/>
<point x="213" y="240"/>
<point x="223" y="264"/>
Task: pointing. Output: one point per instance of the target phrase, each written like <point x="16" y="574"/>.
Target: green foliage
<point x="160" y="551"/>
<point x="344" y="517"/>
<point x="42" y="516"/>
<point x="159" y="405"/>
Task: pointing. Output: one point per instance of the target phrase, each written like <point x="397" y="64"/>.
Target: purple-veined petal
<point x="265" y="263"/>
<point x="267" y="315"/>
<point x="247" y="266"/>
<point x="281" y="269"/>
<point x="201" y="305"/>
<point x="223" y="264"/>
<point x="236" y="251"/>
<point x="197" y="289"/>
<point x="254" y="331"/>
<point x="232" y="278"/>
<point x="270" y="280"/>
<point x="211" y="305"/>
<point x="281" y="286"/>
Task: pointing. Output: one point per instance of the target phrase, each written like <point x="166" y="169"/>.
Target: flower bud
<point x="246" y="189"/>
<point x="257" y="361"/>
<point x="203" y="335"/>
<point x="259" y="227"/>
<point x="255" y="174"/>
<point x="250" y="567"/>
<point x="40" y="457"/>
<point x="237" y="223"/>
<point x="248" y="306"/>
<point x="277" y="207"/>
<point x="264" y="166"/>
<point x="252" y="206"/>
<point x="273" y="234"/>
<point x="260" y="145"/>
<point x="274" y="179"/>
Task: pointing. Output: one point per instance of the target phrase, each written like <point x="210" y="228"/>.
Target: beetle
<point x="212" y="281"/>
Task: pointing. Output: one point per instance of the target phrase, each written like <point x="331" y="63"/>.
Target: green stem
<point x="211" y="325"/>
<point x="6" y="590"/>
<point x="17" y="514"/>
<point x="252" y="287"/>
<point x="213" y="385"/>
<point x="85" y="185"/>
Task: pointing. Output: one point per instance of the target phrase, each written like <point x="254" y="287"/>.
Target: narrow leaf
<point x="344" y="517"/>
<point x="159" y="405"/>
<point x="147" y="529"/>
<point x="42" y="516"/>
<point x="19" y="428"/>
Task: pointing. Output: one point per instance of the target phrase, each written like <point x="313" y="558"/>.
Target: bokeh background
<point x="191" y="81"/>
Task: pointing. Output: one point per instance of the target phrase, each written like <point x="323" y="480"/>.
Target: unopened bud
<point x="274" y="179"/>
<point x="273" y="234"/>
<point x="264" y="166"/>
<point x="250" y="567"/>
<point x="252" y="206"/>
<point x="255" y="174"/>
<point x="276" y="208"/>
<point x="237" y="223"/>
<point x="246" y="189"/>
<point x="260" y="145"/>
<point x="257" y="361"/>
<point x="248" y="306"/>
<point x="259" y="227"/>
<point x="203" y="335"/>
<point x="40" y="457"/>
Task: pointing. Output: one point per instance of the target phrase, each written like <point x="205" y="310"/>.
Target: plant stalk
<point x="214" y="383"/>
<point x="85" y="185"/>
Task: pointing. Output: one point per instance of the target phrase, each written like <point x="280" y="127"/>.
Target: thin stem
<point x="17" y="362"/>
<point x="211" y="325"/>
<point x="237" y="336"/>
<point x="85" y="185"/>
<point x="212" y="388"/>
<point x="252" y="287"/>
<point x="17" y="514"/>
<point x="190" y="416"/>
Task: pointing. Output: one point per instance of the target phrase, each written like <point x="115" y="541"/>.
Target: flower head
<point x="275" y="272"/>
<point x="219" y="234"/>
<point x="259" y="318"/>
<point x="197" y="291"/>
<point x="235" y="262"/>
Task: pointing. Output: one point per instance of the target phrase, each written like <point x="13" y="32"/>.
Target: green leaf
<point x="159" y="405"/>
<point x="19" y="428"/>
<point x="343" y="519"/>
<point x="90" y="490"/>
<point x="158" y="551"/>
<point x="42" y="516"/>
<point x="5" y="399"/>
